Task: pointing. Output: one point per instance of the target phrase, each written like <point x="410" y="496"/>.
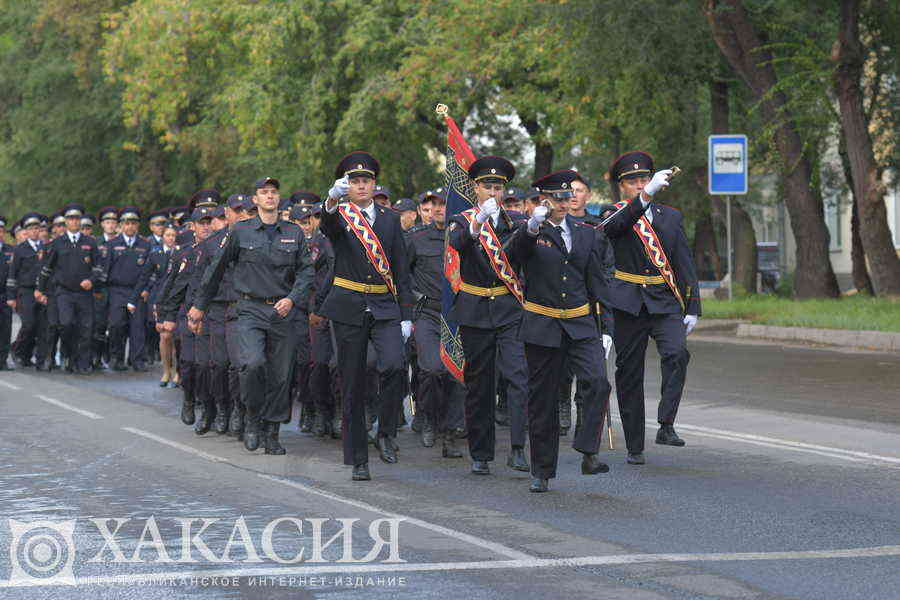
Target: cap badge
<point x="636" y="166"/>
<point x="493" y="171"/>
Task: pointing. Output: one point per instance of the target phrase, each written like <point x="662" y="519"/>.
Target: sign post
<point x="727" y="177"/>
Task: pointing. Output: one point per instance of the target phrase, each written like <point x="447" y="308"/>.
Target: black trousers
<point x="126" y="326"/>
<point x="214" y="321"/>
<point x="631" y="336"/>
<point x="5" y="331"/>
<point x="487" y="351"/>
<point x="546" y="369"/>
<point x="267" y="345"/>
<point x="321" y="353"/>
<point x="231" y="346"/>
<point x="32" y="338"/>
<point x="101" y="321"/>
<point x="352" y="346"/>
<point x="76" y="321"/>
<point x="440" y="396"/>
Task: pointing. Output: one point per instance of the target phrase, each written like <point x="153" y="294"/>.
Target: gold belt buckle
<point x="563" y="314"/>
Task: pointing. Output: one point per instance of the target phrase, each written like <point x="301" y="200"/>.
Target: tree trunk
<point x="859" y="270"/>
<point x="706" y="251"/>
<point x="739" y="42"/>
<point x="543" y="150"/>
<point x="884" y="265"/>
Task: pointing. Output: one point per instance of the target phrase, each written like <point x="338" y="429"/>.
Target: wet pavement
<point x="788" y="488"/>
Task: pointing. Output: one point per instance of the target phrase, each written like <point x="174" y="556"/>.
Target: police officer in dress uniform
<point x="440" y="396"/>
<point x="20" y="284"/>
<point x="644" y="305"/>
<point x="128" y="271"/>
<point x="488" y="316"/>
<point x="273" y="274"/>
<point x="370" y="299"/>
<point x="73" y="263"/>
<point x="54" y="331"/>
<point x="564" y="276"/>
<point x="6" y="257"/>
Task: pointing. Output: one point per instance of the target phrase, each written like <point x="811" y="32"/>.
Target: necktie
<point x="562" y="235"/>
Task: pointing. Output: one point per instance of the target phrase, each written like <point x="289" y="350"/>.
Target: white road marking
<point x="458" y="535"/>
<point x="9" y="385"/>
<point x="61" y="404"/>
<point x="781" y="444"/>
<point x="177" y="445"/>
<point x="526" y="563"/>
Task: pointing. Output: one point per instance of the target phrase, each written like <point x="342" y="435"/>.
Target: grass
<point x="853" y="312"/>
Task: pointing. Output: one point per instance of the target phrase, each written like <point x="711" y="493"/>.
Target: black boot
<point x="516" y="460"/>
<point x="187" y="406"/>
<point x="273" y="446"/>
<point x="591" y="465"/>
<point x="667" y="436"/>
<point x="450" y="449"/>
<point x="251" y="433"/>
<point x="427" y="433"/>
<point x="220" y="424"/>
<point x="320" y="425"/>
<point x="236" y="421"/>
<point x="207" y="412"/>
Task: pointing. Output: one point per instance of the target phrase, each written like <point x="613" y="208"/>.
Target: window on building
<point x="833" y="221"/>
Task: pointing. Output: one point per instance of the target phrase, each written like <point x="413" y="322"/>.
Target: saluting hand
<point x="659" y="181"/>
<point x="339" y="189"/>
<point x="538" y="215"/>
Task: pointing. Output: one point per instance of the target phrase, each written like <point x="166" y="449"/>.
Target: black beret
<point x="357" y="164"/>
<point x="631" y="164"/>
<point x="492" y="169"/>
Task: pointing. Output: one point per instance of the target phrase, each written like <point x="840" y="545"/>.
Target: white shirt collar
<point x="73" y="237"/>
<point x="370" y="211"/>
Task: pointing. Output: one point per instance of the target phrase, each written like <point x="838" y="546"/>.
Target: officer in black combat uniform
<point x="273" y="274"/>
<point x="128" y="272"/>
<point x="440" y="396"/>
<point x="644" y="303"/>
<point x="20" y="283"/>
<point x="73" y="263"/>
<point x="370" y="299"/>
<point x="564" y="275"/>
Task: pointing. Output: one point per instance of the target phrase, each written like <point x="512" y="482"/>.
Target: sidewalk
<point x="879" y="341"/>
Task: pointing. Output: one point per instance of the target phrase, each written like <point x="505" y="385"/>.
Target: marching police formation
<point x="265" y="305"/>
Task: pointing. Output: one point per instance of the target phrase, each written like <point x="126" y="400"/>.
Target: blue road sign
<point x="727" y="164"/>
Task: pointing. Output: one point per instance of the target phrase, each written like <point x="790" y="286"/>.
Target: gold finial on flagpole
<point x="441" y="110"/>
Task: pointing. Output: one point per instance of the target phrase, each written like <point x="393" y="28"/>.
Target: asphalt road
<point x="788" y="488"/>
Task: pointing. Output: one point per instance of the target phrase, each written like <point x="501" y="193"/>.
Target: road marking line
<point x="528" y="563"/>
<point x="770" y="442"/>
<point x="179" y="446"/>
<point x="9" y="385"/>
<point x="62" y="404"/>
<point x="458" y="535"/>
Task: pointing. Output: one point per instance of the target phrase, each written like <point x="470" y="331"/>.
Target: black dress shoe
<point x="635" y="459"/>
<point x="591" y="465"/>
<point x="361" y="472"/>
<point x="236" y="422"/>
<point x="667" y="436"/>
<point x="204" y="423"/>
<point x="273" y="446"/>
<point x="516" y="460"/>
<point x="386" y="449"/>
<point x="539" y="485"/>
<point x="251" y="436"/>
<point x="187" y="412"/>
<point x="481" y="467"/>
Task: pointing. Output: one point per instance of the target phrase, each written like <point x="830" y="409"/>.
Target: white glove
<point x="538" y="215"/>
<point x="607" y="345"/>
<point x="488" y="210"/>
<point x="660" y="181"/>
<point x="690" y="321"/>
<point x="406" y="329"/>
<point x="339" y="189"/>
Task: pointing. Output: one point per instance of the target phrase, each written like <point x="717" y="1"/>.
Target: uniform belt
<point x="483" y="291"/>
<point x="642" y="279"/>
<point x="257" y="299"/>
<point x="365" y="288"/>
<point x="558" y="313"/>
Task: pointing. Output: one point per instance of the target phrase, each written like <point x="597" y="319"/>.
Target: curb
<point x="866" y="340"/>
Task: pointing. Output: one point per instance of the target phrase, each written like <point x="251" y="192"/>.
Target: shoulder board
<point x="588" y="225"/>
<point x="669" y="207"/>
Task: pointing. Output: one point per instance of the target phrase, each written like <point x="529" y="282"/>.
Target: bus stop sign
<point x="727" y="164"/>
